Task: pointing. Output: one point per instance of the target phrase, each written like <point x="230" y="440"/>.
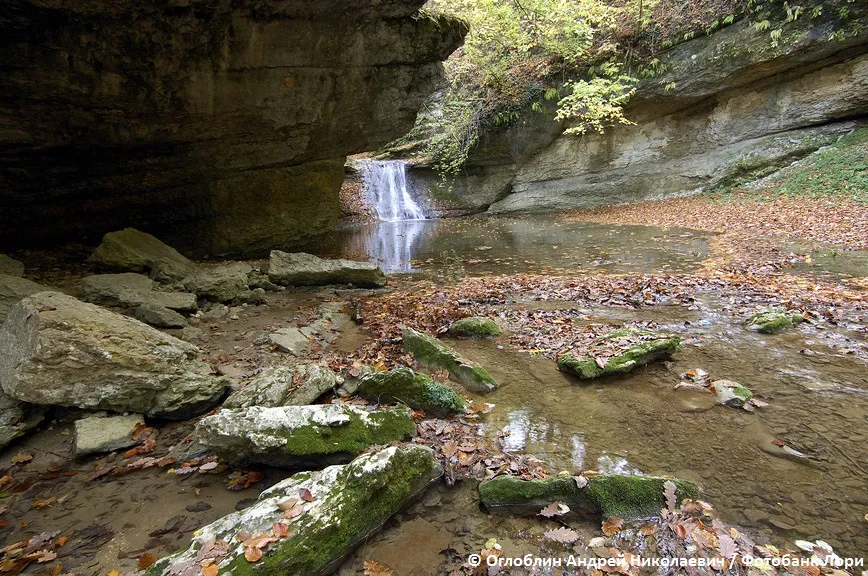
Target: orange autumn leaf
<point x="376" y="569"/>
<point x="146" y="560"/>
<point x="252" y="554"/>
<point x="612" y="526"/>
<point x="210" y="570"/>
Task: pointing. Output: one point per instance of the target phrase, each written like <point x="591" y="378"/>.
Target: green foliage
<point x="596" y="103"/>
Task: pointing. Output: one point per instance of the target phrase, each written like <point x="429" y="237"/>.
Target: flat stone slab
<point x="347" y="505"/>
<point x="299" y="436"/>
<point x="417" y="391"/>
<point x="57" y="350"/>
<point x="432" y="353"/>
<point x="129" y="290"/>
<point x="301" y="269"/>
<point x="292" y="385"/>
<point x="97" y="435"/>
<point x="136" y="251"/>
<point x="618" y="495"/>
<point x="619" y="352"/>
<point x="290" y="340"/>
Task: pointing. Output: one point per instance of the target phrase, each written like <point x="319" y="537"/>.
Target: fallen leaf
<point x="376" y="569"/>
<point x="563" y="535"/>
<point x="554" y="509"/>
<point x="669" y="489"/>
<point x="648" y="529"/>
<point x="21" y="458"/>
<point x="210" y="570"/>
<point x="612" y="526"/>
<point x="305" y="494"/>
<point x="44" y="503"/>
<point x="280" y="529"/>
<point x="146" y="560"/>
<point x="114" y="573"/>
<point x="62" y="541"/>
<point x="252" y="554"/>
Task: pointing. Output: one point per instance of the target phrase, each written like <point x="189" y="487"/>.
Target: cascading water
<point x="386" y="189"/>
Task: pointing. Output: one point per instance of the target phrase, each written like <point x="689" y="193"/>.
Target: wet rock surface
<point x="291" y="385"/>
<point x="303" y="269"/>
<point x="773" y="320"/>
<point x="346" y="505"/>
<point x="57" y="350"/>
<point x="432" y="353"/>
<point x="475" y="327"/>
<point x="298" y="436"/>
<point x="619" y="352"/>
<point x="418" y="391"/>
<point x="95" y="435"/>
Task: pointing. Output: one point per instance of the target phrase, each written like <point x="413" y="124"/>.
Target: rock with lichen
<point x="730" y="393"/>
<point x="475" y="327"/>
<point x="290" y="385"/>
<point x="345" y="505"/>
<point x="772" y="320"/>
<point x="299" y="436"/>
<point x="619" y="352"/>
<point x="417" y="391"/>
<point x="432" y="353"/>
<point x="611" y="495"/>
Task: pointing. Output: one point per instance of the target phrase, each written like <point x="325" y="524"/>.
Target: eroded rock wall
<point x="220" y="126"/>
<point x="732" y="105"/>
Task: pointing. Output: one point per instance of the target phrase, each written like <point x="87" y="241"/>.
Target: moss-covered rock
<point x="619" y="352"/>
<point x="773" y="320"/>
<point x="348" y="504"/>
<point x="432" y="353"/>
<point x="475" y="327"/>
<point x="607" y="494"/>
<point x="730" y="393"/>
<point x="417" y="391"/>
<point x="297" y="436"/>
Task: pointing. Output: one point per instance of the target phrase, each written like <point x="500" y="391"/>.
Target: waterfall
<point x="386" y="189"/>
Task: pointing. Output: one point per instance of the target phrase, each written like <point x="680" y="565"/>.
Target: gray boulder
<point x="10" y="266"/>
<point x="300" y="436"/>
<point x="17" y="418"/>
<point x="291" y="340"/>
<point x="12" y="290"/>
<point x="57" y="350"/>
<point x="96" y="435"/>
<point x="432" y="353"/>
<point x="220" y="283"/>
<point x="303" y="269"/>
<point x="294" y="385"/>
<point x="159" y="316"/>
<point x="135" y="251"/>
<point x="128" y="290"/>
<point x="347" y="504"/>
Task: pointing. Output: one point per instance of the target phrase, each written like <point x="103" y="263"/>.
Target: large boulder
<point x="220" y="283"/>
<point x="432" y="353"/>
<point x="159" y="316"/>
<point x="619" y="352"/>
<point x="129" y="290"/>
<point x="301" y="269"/>
<point x="11" y="266"/>
<point x="135" y="251"/>
<point x="57" y="350"/>
<point x="298" y="436"/>
<point x="293" y="385"/>
<point x="417" y="391"/>
<point x="347" y="504"/>
<point x="12" y="290"/>
<point x="618" y="495"/>
<point x="17" y="418"/>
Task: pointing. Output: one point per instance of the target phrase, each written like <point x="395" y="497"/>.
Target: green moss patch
<point x="475" y="327"/>
<point x="773" y="320"/>
<point x="626" y="497"/>
<point x="432" y="353"/>
<point x="619" y="352"/>
<point x="417" y="391"/>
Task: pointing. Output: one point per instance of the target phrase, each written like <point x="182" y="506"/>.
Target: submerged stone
<point x="348" y="503"/>
<point x="475" y="327"/>
<point x="417" y="391"/>
<point x="57" y="350"/>
<point x="432" y="353"/>
<point x="731" y="393"/>
<point x="297" y="436"/>
<point x="773" y="320"/>
<point x="97" y="435"/>
<point x="301" y="269"/>
<point x="618" y="495"/>
<point x="135" y="251"/>
<point x="619" y="352"/>
<point x="293" y="385"/>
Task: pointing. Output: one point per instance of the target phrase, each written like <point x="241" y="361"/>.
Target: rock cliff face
<point x="731" y="105"/>
<point x="219" y="125"/>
